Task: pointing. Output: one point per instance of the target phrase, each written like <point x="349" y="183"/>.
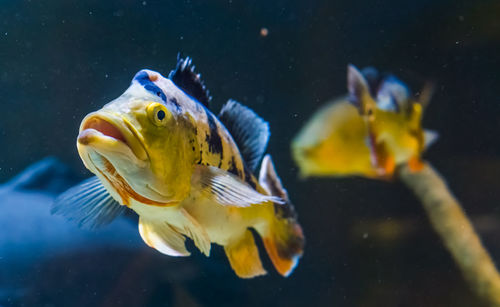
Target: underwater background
<point x="368" y="242"/>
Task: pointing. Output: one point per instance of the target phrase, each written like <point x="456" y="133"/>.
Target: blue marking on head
<point x="393" y="94"/>
<point x="142" y="77"/>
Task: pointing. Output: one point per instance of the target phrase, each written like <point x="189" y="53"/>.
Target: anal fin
<point x="196" y="232"/>
<point x="162" y="237"/>
<point x="244" y="257"/>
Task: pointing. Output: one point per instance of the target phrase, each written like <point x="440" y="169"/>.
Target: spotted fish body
<point x="158" y="150"/>
<point x="367" y="133"/>
<point x="211" y="145"/>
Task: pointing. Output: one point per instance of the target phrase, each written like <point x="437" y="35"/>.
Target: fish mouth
<point x="109" y="133"/>
<point x="111" y="147"/>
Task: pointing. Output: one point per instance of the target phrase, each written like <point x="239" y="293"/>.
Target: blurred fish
<point x="39" y="250"/>
<point x="158" y="150"/>
<point x="25" y="210"/>
<point x="31" y="236"/>
<point x="376" y="127"/>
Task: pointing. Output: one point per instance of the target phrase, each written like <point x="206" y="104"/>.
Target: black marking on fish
<point x="248" y="177"/>
<point x="190" y="82"/>
<point x="286" y="211"/>
<point x="143" y="78"/>
<point x="233" y="169"/>
<point x="173" y="100"/>
<point x="213" y="139"/>
<point x="201" y="157"/>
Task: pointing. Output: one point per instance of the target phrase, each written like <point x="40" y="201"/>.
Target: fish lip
<point x="130" y="135"/>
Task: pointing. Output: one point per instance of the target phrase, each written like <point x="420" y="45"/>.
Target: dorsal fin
<point x="190" y="82"/>
<point x="359" y="91"/>
<point x="249" y="131"/>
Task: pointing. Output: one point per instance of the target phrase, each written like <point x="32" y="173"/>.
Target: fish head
<point x="141" y="145"/>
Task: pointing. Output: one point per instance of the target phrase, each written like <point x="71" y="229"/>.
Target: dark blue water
<point x="60" y="60"/>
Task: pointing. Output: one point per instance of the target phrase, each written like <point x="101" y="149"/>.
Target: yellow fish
<point x="366" y="133"/>
<point x="158" y="150"/>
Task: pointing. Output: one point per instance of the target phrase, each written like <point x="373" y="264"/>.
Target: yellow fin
<point x="196" y="232"/>
<point x="244" y="257"/>
<point x="162" y="237"/>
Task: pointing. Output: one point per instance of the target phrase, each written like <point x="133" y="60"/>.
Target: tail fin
<point x="283" y="240"/>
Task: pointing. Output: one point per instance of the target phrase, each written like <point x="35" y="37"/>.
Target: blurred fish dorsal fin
<point x="430" y="137"/>
<point x="88" y="204"/>
<point x="249" y="131"/>
<point x="190" y="82"/>
<point x="359" y="91"/>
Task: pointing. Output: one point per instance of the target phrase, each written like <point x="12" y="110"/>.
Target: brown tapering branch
<point x="453" y="226"/>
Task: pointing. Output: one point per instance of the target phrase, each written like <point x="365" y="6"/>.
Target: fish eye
<point x="158" y="114"/>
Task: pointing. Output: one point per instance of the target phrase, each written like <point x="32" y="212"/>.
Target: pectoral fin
<point x="162" y="237"/>
<point x="227" y="189"/>
<point x="244" y="257"/>
<point x="88" y="204"/>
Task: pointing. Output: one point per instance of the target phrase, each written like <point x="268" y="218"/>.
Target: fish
<point x="160" y="151"/>
<point x="370" y="131"/>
